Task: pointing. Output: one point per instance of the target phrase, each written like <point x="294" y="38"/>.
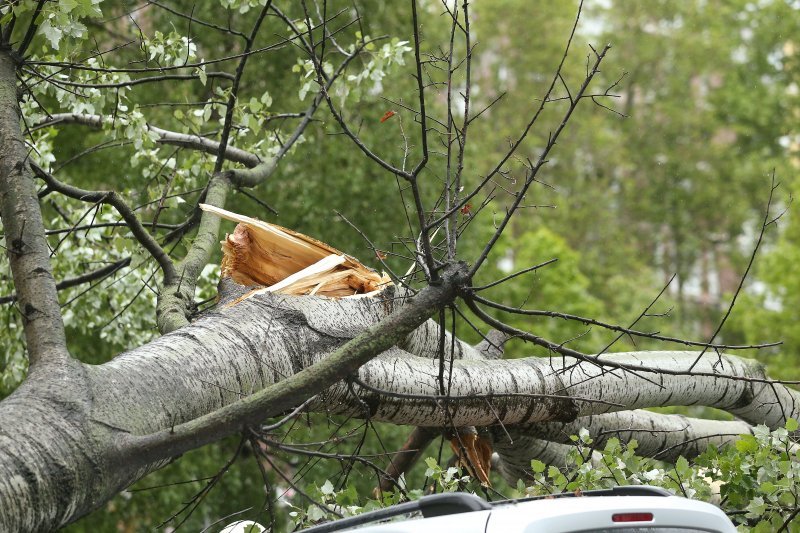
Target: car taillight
<point x="632" y="517"/>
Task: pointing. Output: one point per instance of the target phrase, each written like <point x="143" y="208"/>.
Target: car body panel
<point x="656" y="509"/>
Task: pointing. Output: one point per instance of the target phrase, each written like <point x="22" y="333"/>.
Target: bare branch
<point x="615" y="327"/>
<point x="765" y="224"/>
<point x="114" y="200"/>
<point x="185" y="140"/>
<point x="534" y="119"/>
<point x="534" y="169"/>
<point x="94" y="275"/>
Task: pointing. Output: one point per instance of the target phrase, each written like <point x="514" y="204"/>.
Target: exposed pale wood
<point x="287" y="262"/>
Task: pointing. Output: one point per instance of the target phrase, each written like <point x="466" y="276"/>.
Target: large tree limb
<point x="134" y="401"/>
<point x="563" y="389"/>
<point x="665" y="437"/>
<point x="26" y="245"/>
<point x="193" y="386"/>
<point x="286" y="393"/>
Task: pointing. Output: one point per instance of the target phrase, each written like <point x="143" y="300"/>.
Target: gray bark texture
<point x="25" y="244"/>
<point x="68" y="439"/>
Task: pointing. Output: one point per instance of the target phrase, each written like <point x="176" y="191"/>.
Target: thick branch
<point x="282" y="395"/>
<point x="175" y="301"/>
<point x="664" y="437"/>
<point x="26" y="245"/>
<point x="563" y="389"/>
<point x="411" y="452"/>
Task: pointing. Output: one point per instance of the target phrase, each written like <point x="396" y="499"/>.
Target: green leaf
<point x="682" y="465"/>
<point x="747" y="444"/>
<point x="201" y="74"/>
<point x="51" y="33"/>
<point x="67" y="5"/>
<point x="767" y="487"/>
<point x="538" y="466"/>
<point x="253" y="124"/>
<point x="327" y="488"/>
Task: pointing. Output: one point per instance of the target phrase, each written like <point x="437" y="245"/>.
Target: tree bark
<point x="563" y="389"/>
<point x="25" y="244"/>
<point x="65" y="441"/>
<point x="89" y="444"/>
<point x="664" y="437"/>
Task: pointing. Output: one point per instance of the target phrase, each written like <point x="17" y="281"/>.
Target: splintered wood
<point x="474" y="453"/>
<point x="287" y="262"/>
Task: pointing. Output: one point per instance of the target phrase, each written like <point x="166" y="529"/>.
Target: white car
<point x="632" y="509"/>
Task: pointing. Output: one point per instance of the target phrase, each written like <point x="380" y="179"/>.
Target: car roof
<point x="561" y="513"/>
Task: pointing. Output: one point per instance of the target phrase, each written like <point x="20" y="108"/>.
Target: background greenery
<point x="679" y="186"/>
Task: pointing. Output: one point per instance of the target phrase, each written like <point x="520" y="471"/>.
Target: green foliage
<point x="755" y="481"/>
<point x="561" y="286"/>
<point x="759" y="477"/>
<point x="331" y="504"/>
<point x="56" y="21"/>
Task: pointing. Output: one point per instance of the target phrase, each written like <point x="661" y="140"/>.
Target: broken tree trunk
<point x="286" y="262"/>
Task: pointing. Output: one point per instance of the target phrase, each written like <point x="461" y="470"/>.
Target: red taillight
<point x="632" y="517"/>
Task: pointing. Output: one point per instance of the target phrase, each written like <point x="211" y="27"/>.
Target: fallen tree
<point x="299" y="323"/>
<point x="75" y="434"/>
